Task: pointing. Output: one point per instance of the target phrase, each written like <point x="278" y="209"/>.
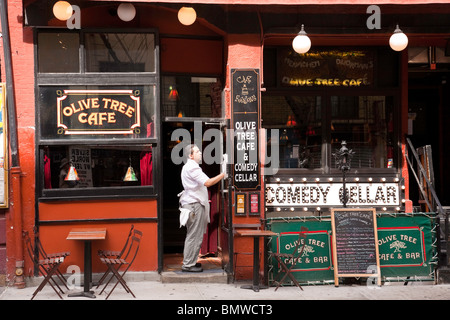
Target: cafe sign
<point x="402" y="246"/>
<point x="330" y="194"/>
<point x="346" y="68"/>
<point x="316" y="255"/>
<point x="98" y="112"/>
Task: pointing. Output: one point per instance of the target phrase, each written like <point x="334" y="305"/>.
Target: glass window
<point x="366" y="124"/>
<point x="120" y="52"/>
<point x="58" y="52"/>
<point x="186" y="96"/>
<point x="298" y="120"/>
<point x="99" y="166"/>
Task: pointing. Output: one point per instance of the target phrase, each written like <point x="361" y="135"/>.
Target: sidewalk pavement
<point x="157" y="290"/>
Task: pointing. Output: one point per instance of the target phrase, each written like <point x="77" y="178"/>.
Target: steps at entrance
<point x="207" y="276"/>
<point x="212" y="270"/>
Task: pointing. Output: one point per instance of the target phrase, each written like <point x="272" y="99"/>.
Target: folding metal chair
<point x="115" y="264"/>
<point x="47" y="267"/>
<point x="108" y="254"/>
<point x="288" y="260"/>
<point x="46" y="255"/>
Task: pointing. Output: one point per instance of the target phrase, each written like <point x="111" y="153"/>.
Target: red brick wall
<point x="21" y="39"/>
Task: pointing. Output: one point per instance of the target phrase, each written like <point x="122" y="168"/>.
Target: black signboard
<point x="355" y="243"/>
<point x="245" y="104"/>
<point x="93" y="112"/>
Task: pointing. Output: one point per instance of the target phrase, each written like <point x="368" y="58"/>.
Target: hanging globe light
<point x="126" y="12"/>
<point x="301" y="43"/>
<point x="187" y="15"/>
<point x="398" y="41"/>
<point x="62" y="10"/>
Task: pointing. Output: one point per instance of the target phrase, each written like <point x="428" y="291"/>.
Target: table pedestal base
<point x="253" y="287"/>
<point x="89" y="294"/>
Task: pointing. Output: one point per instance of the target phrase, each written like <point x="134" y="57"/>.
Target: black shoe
<point x="198" y="264"/>
<point x="191" y="269"/>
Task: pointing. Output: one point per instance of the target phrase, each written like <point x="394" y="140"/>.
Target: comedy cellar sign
<point x="330" y="194"/>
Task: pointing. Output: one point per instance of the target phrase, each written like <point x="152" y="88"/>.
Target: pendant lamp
<point x="72" y="175"/>
<point x="187" y="15"/>
<point x="301" y="43"/>
<point x="126" y="12"/>
<point x="130" y="175"/>
<point x="62" y="10"/>
<point x="398" y="41"/>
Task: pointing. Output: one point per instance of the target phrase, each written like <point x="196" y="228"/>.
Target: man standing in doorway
<point x="195" y="199"/>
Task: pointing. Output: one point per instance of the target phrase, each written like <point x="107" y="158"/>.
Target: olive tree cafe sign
<point x="245" y="103"/>
<point x="326" y="68"/>
<point x="98" y="112"/>
<point x="385" y="194"/>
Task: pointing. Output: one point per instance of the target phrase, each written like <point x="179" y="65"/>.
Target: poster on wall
<point x="3" y="149"/>
<point x="81" y="159"/>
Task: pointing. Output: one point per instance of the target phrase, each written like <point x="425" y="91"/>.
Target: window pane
<point x="96" y="112"/>
<point x="186" y="96"/>
<point x="366" y="124"/>
<point x="58" y="52"/>
<point x="298" y="120"/>
<point x="120" y="52"/>
<point x="97" y="166"/>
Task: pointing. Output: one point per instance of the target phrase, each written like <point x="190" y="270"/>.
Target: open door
<point x="218" y="239"/>
<point x="226" y="194"/>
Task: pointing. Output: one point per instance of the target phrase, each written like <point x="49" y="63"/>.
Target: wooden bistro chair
<point x="288" y="260"/>
<point x="108" y="254"/>
<point x="48" y="266"/>
<point x="115" y="264"/>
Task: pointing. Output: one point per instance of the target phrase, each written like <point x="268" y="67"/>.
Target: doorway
<point x="173" y="234"/>
<point x="428" y="114"/>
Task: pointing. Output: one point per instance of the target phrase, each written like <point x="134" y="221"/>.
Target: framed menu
<point x="355" y="244"/>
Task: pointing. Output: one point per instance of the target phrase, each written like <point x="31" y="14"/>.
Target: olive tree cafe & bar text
<point x="321" y="109"/>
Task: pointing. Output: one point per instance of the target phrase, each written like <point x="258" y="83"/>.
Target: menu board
<point x="245" y="104"/>
<point x="355" y="249"/>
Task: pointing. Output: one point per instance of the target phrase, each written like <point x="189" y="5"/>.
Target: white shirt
<point x="193" y="179"/>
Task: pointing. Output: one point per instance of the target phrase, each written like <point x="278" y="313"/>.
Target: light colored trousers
<point x="196" y="227"/>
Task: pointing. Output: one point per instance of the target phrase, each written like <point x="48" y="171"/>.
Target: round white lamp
<point x="301" y="43"/>
<point x="187" y="15"/>
<point x="126" y="11"/>
<point x="398" y="41"/>
<point x="62" y="10"/>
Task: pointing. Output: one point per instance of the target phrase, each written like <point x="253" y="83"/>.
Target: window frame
<point x="327" y="150"/>
<point x="83" y="78"/>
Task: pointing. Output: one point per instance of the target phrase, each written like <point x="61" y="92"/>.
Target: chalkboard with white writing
<point x="355" y="249"/>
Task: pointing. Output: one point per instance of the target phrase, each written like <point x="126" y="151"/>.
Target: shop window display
<point x="308" y="125"/>
<point x="97" y="126"/>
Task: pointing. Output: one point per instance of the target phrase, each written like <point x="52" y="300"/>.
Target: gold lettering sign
<point x="326" y="68"/>
<point x="98" y="112"/>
